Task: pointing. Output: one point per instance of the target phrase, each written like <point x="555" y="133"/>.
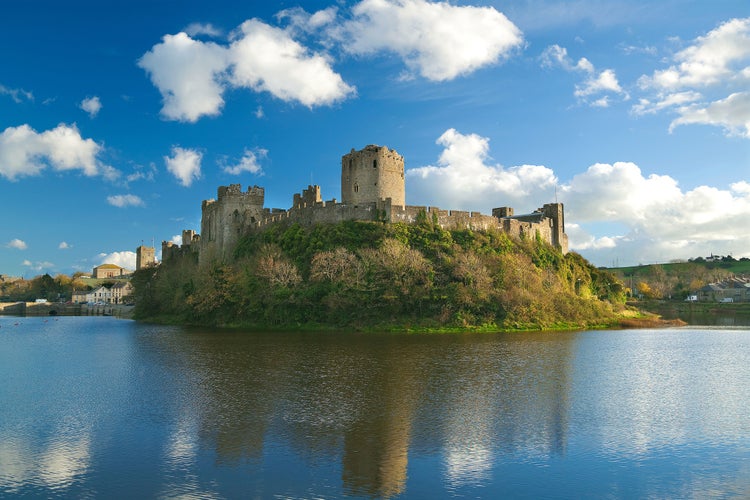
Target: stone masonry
<point x="372" y="189"/>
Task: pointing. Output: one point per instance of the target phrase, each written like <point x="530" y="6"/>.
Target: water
<point x="106" y="408"/>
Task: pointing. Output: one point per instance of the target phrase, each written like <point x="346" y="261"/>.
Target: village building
<point x="120" y="292"/>
<point x="109" y="271"/>
<point x="99" y="295"/>
<point x="735" y="289"/>
<point x="117" y="294"/>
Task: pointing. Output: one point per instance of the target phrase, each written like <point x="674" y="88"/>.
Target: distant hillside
<point x="677" y="280"/>
<point x="372" y="275"/>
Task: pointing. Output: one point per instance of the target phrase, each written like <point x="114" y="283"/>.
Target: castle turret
<point x="144" y="257"/>
<point x="556" y="213"/>
<point x="372" y="174"/>
<point x="224" y="220"/>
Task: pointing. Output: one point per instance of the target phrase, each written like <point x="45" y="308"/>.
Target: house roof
<point x="108" y="266"/>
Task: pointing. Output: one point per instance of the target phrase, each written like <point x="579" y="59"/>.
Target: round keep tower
<point x="372" y="174"/>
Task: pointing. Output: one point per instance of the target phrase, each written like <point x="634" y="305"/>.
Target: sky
<point x="117" y="119"/>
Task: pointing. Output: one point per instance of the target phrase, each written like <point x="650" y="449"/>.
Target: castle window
<point x="350" y="163"/>
<point x="356" y="188"/>
<point x="374" y="163"/>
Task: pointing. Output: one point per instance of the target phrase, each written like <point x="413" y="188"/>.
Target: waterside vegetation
<point x="369" y="275"/>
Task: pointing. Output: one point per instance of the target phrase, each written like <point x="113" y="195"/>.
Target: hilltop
<point x="370" y="275"/>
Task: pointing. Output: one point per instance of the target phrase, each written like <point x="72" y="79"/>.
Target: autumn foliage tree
<point x="361" y="274"/>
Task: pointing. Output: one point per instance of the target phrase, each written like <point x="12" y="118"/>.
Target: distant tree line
<point x="373" y="275"/>
<point x="59" y="288"/>
<point x="677" y="280"/>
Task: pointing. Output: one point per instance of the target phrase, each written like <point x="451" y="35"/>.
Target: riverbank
<point x="698" y="313"/>
<point x="61" y="309"/>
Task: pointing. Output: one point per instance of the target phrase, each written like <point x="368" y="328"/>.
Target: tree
<point x="273" y="267"/>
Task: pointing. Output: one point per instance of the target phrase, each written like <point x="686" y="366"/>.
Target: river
<point x="98" y="407"/>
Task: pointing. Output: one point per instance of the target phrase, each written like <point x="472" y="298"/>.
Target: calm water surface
<point x="108" y="408"/>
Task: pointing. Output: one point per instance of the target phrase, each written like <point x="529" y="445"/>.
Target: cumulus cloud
<point x="192" y="75"/>
<point x="706" y="82"/>
<point x="125" y="200"/>
<point x="203" y="29"/>
<point x="464" y="175"/>
<point x="25" y="152"/>
<point x="125" y="259"/>
<point x="18" y="95"/>
<point x="732" y="113"/>
<point x="184" y="164"/>
<point x="248" y="163"/>
<point x="596" y="83"/>
<point x="64" y="245"/>
<point x="716" y="58"/>
<point x="611" y="210"/>
<point x="439" y="41"/>
<point x="301" y="21"/>
<point x="646" y="106"/>
<point x="265" y="58"/>
<point x="38" y="266"/>
<point x="91" y="105"/>
<point x="17" y="244"/>
<point x="651" y="217"/>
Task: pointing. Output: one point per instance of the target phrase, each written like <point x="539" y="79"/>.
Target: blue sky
<point x="118" y="118"/>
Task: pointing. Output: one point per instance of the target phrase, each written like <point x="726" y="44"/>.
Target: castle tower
<point x="187" y="237"/>
<point x="372" y="174"/>
<point x="144" y="257"/>
<point x="223" y="221"/>
<point x="556" y="212"/>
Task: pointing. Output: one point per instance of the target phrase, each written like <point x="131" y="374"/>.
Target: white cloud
<point x="650" y="217"/>
<point x="606" y="81"/>
<point x="125" y="259"/>
<point x="38" y="266"/>
<point x="17" y="244"/>
<point x="91" y="105"/>
<point x="612" y="210"/>
<point x="18" y="95"/>
<point x="177" y="239"/>
<point x="192" y="75"/>
<point x="24" y="152"/>
<point x="265" y="58"/>
<point x="125" y="200"/>
<point x="718" y="57"/>
<point x="464" y="176"/>
<point x="707" y="81"/>
<point x="595" y="84"/>
<point x="582" y="240"/>
<point x="189" y="74"/>
<point x="437" y="40"/>
<point x="646" y="106"/>
<point x="203" y="29"/>
<point x="141" y="172"/>
<point x="64" y="245"/>
<point x="732" y="113"/>
<point x="556" y="56"/>
<point x="248" y="163"/>
<point x="301" y="21"/>
<point x="185" y="164"/>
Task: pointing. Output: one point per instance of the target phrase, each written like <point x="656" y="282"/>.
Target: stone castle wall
<point x="372" y="189"/>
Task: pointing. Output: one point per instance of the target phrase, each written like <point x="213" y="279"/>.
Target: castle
<point x="372" y="189"/>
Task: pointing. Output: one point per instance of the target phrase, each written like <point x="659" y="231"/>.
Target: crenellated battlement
<point x="372" y="189"/>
